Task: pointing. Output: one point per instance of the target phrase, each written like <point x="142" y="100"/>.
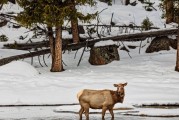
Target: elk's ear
<point x="125" y="84"/>
<point x="115" y="85"/>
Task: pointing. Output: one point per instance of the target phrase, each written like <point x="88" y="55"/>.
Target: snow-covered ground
<point x="151" y="80"/>
<point x="151" y="77"/>
<point x="47" y="113"/>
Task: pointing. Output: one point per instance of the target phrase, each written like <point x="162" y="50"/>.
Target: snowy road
<point x="47" y="113"/>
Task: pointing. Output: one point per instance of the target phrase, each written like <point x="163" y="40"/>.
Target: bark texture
<point x="177" y="60"/>
<point x="74" y="25"/>
<point x="169" y="11"/>
<point x="57" y="52"/>
<point x="51" y="44"/>
<point x="75" y="32"/>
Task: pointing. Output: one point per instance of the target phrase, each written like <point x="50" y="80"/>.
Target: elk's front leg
<point x="103" y="112"/>
<point x="111" y="112"/>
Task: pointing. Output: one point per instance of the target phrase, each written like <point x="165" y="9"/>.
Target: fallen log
<point x="27" y="46"/>
<point x="126" y="37"/>
<point x="35" y="45"/>
<point x="119" y="26"/>
<point x="4" y="61"/>
<point x="66" y="42"/>
<point x="90" y="43"/>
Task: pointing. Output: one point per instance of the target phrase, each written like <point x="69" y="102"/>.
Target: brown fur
<point x="100" y="99"/>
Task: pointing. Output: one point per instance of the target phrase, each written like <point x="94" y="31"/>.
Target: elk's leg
<point x="86" y="109"/>
<point x="81" y="112"/>
<point x="111" y="112"/>
<point x="103" y="112"/>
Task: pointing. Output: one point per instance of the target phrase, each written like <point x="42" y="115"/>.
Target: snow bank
<point x="104" y="43"/>
<point x="19" y="68"/>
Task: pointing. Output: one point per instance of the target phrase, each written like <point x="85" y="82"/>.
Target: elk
<point x="100" y="99"/>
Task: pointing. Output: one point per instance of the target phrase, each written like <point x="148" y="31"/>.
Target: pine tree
<point x="3" y="1"/>
<point x="75" y="15"/>
<point x="171" y="10"/>
<point x="52" y="14"/>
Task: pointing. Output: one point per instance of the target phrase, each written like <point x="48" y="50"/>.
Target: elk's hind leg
<point x="81" y="112"/>
<point x="86" y="109"/>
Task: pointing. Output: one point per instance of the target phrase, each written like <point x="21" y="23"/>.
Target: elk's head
<point x="120" y="89"/>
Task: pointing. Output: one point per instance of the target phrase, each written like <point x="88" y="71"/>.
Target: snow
<point x="18" y="68"/>
<point x="151" y="77"/>
<point x="104" y="43"/>
<point x="151" y="80"/>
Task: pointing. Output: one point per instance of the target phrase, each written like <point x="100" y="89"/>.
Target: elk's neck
<point x="116" y="97"/>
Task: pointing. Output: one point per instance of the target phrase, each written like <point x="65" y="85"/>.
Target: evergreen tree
<point x="171" y="10"/>
<point x="51" y="13"/>
<point x="74" y="16"/>
<point x="2" y="2"/>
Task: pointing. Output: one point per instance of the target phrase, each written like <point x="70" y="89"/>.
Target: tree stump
<point x="102" y="55"/>
<point x="173" y="43"/>
<point x="160" y="43"/>
<point x="3" y="23"/>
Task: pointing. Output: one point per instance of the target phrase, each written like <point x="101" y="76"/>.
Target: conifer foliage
<point x="2" y="2"/>
<point x="171" y="10"/>
<point x="52" y="14"/>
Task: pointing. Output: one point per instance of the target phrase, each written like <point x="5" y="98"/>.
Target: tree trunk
<point x="57" y="51"/>
<point x="177" y="60"/>
<point x="127" y="2"/>
<point x="51" y="43"/>
<point x="169" y="11"/>
<point x="1" y="5"/>
<point x="74" y="25"/>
